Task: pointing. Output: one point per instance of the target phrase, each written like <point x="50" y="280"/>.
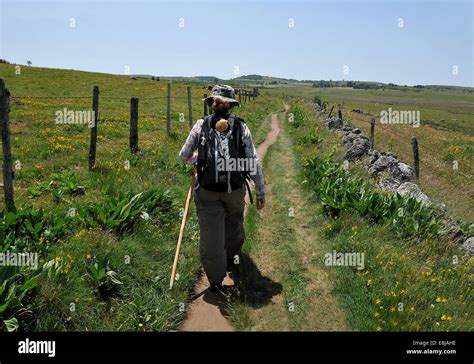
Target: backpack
<point x="211" y="175"/>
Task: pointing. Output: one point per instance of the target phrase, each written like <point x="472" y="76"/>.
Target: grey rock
<point x="356" y="131"/>
<point x="388" y="184"/>
<point x="410" y="189"/>
<point x="358" y="149"/>
<point x="401" y="171"/>
<point x="382" y="163"/>
<point x="349" y="138"/>
<point x="371" y="157"/>
<point x="441" y="207"/>
<point x="333" y="123"/>
<point x="468" y="245"/>
<point x="347" y="127"/>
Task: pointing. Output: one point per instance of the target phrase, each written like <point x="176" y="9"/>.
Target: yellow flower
<point x="88" y="256"/>
<point x="376" y="314"/>
<point x="443" y="317"/>
<point x="449" y="318"/>
<point x="369" y="282"/>
<point x="378" y="301"/>
<point x="444" y="300"/>
<point x="438" y="299"/>
<point x="58" y="259"/>
<point x="140" y="325"/>
<point x="378" y="328"/>
<point x="412" y="309"/>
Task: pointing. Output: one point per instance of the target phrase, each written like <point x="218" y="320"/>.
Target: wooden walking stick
<point x="181" y="232"/>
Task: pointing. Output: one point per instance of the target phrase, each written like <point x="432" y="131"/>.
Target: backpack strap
<point x="237" y="134"/>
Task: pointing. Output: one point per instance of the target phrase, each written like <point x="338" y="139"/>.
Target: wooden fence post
<point x="205" y="105"/>
<point x="330" y="112"/>
<point x="372" y="133"/>
<point x="416" y="157"/>
<point x="190" y="107"/>
<point x="134" y="124"/>
<point x="339" y="114"/>
<point x="6" y="147"/>
<point x="95" y="117"/>
<point x="168" y="109"/>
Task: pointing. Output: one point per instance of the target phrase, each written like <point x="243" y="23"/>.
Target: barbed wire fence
<point x="322" y="107"/>
<point x="6" y="99"/>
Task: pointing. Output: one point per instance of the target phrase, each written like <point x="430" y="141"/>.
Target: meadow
<point x="106" y="237"/>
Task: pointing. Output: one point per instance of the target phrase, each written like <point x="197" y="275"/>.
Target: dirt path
<point x="208" y="310"/>
<point x="286" y="250"/>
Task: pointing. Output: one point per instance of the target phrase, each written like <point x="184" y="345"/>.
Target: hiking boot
<point x="218" y="288"/>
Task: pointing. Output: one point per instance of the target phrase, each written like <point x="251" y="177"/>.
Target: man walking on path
<point x="226" y="158"/>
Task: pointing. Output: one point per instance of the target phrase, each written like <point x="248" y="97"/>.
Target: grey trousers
<point x="221" y="225"/>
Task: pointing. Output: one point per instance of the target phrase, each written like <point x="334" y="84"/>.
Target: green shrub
<point x="338" y="191"/>
<point x="29" y="228"/>
<point x="122" y="212"/>
<point x="103" y="277"/>
<point x="14" y="292"/>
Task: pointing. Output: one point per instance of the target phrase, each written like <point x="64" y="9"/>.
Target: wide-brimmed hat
<point x="225" y="92"/>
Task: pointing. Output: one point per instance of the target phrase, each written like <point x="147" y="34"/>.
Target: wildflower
<point x="378" y="301"/>
<point x="412" y="309"/>
<point x="443" y="317"/>
<point x="438" y="299"/>
<point x="449" y="318"/>
<point x="376" y="314"/>
<point x="354" y="230"/>
<point x="378" y="328"/>
<point x="369" y="282"/>
<point x="58" y="259"/>
<point x="140" y="325"/>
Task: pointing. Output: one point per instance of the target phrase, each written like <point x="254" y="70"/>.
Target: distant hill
<point x="263" y="81"/>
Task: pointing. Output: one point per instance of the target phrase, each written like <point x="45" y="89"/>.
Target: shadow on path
<point x="256" y="289"/>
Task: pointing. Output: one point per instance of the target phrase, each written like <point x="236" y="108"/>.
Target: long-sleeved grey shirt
<point x="188" y="153"/>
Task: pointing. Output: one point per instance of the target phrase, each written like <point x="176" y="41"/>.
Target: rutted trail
<point x="207" y="310"/>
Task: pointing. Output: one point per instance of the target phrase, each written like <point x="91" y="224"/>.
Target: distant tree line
<point x="4" y="61"/>
<point x="363" y="85"/>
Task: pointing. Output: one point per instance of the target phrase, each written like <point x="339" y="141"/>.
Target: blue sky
<point x="254" y="35"/>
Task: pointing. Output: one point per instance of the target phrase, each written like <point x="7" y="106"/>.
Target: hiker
<point x="226" y="158"/>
